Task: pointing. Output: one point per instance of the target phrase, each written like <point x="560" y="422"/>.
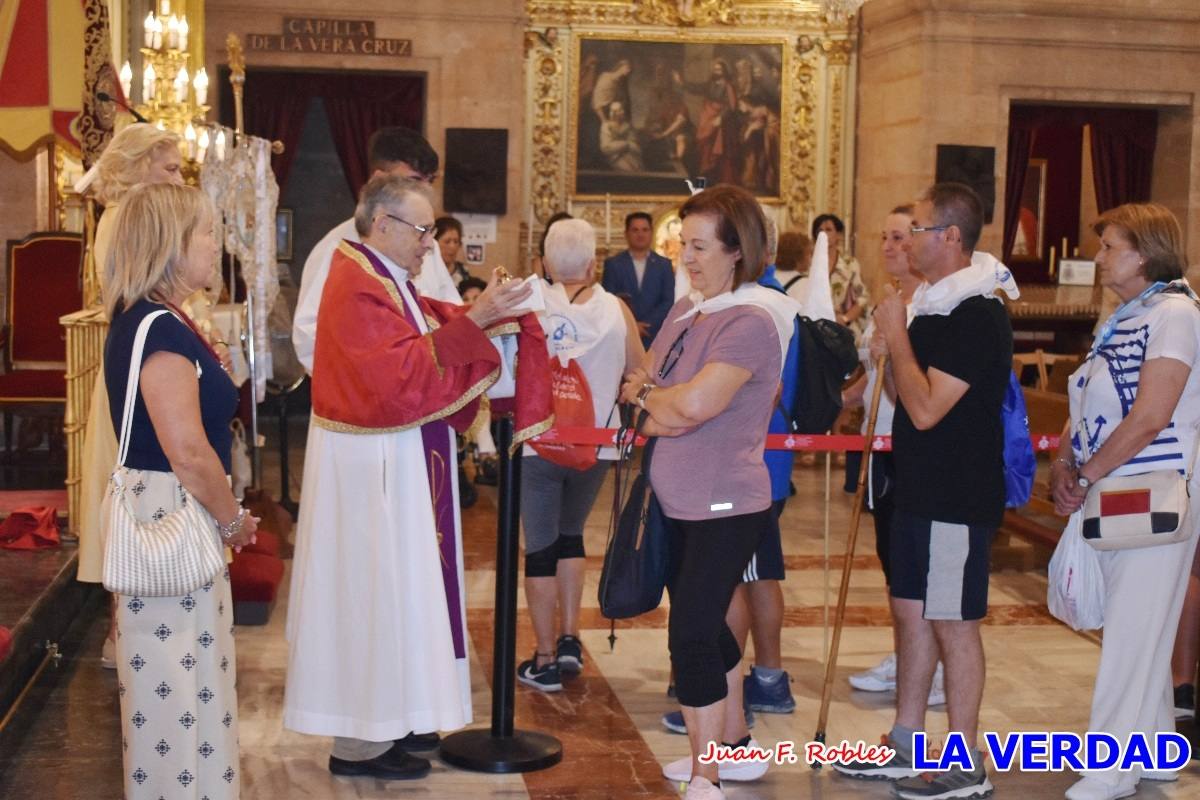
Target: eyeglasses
<point x="914" y="229"/>
<point x="424" y="230"/>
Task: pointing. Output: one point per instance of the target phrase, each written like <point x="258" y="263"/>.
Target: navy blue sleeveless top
<point x="218" y="396"/>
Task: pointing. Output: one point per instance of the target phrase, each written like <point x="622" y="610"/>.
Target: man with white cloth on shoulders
<point x="376" y="623"/>
<point x="392" y="151"/>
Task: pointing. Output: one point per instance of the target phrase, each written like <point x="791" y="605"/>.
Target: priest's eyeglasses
<point x="914" y="229"/>
<point x="424" y="230"/>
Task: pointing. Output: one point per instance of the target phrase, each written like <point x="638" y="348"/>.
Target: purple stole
<point x="440" y="460"/>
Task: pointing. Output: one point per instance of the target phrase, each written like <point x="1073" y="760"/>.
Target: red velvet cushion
<point x="265" y="542"/>
<point x="5" y="642"/>
<point x="255" y="577"/>
<point x="44" y="281"/>
<point x="33" y="384"/>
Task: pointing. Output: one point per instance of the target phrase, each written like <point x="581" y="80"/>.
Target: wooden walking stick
<point x="851" y="539"/>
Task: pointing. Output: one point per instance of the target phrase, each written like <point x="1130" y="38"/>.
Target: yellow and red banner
<point x="41" y="73"/>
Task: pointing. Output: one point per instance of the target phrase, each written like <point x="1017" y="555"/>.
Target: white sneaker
<point x="703" y="789"/>
<point x="1089" y="788"/>
<point x="1160" y="775"/>
<point x="879" y="678"/>
<point x="681" y="770"/>
<point x="937" y="691"/>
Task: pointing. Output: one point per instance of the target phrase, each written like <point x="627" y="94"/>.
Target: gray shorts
<point x="556" y="501"/>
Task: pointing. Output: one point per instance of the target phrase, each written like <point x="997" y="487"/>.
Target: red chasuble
<point x="374" y="372"/>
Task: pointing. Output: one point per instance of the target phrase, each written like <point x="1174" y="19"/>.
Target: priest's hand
<point x="498" y="300"/>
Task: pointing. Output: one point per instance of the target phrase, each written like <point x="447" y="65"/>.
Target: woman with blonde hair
<point x="140" y="153"/>
<point x="1135" y="409"/>
<point x="175" y="655"/>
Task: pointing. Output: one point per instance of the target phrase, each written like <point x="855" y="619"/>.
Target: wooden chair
<point x="43" y="285"/>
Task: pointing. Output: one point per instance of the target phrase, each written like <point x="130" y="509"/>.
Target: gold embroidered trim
<point x="433" y="353"/>
<point x="362" y="261"/>
<point x="502" y="330"/>
<point x="476" y="390"/>
<point x="521" y="436"/>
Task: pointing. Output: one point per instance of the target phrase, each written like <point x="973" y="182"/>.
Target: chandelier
<point x="840" y="10"/>
<point x="171" y="98"/>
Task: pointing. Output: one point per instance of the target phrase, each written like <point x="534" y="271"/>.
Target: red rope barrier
<point x="775" y="441"/>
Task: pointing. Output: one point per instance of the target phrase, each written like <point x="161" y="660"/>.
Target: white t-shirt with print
<point x="1168" y="328"/>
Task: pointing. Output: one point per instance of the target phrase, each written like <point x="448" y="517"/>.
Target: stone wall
<point x="946" y="72"/>
<point x="470" y="50"/>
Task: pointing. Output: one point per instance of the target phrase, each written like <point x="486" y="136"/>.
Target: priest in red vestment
<point x="376" y="621"/>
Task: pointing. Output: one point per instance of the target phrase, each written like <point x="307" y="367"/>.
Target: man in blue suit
<point x="642" y="278"/>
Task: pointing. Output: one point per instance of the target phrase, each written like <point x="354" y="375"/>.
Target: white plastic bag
<point x="1076" y="591"/>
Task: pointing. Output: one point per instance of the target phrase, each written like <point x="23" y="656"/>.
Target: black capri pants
<point x="707" y="560"/>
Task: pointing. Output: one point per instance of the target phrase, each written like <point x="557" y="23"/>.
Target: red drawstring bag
<point x="572" y="403"/>
<point x="30" y="528"/>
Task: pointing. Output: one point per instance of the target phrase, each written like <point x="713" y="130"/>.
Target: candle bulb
<point x="148" y="84"/>
<point x="183" y="32"/>
<point x="181" y="86"/>
<point x="200" y="84"/>
<point x="157" y="30"/>
<point x="166" y="7"/>
<point x="148" y="30"/>
<point x="126" y="76"/>
<point x="203" y="144"/>
<point x="220" y="145"/>
<point x="189" y="139"/>
<point x="172" y="33"/>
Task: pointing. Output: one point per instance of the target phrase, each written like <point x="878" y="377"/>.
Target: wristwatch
<point x="643" y="393"/>
<point x="1082" y="482"/>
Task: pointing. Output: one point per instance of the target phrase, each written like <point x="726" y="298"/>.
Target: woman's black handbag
<point x="637" y="559"/>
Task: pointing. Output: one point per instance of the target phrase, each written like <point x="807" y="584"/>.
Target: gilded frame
<point x="786" y="55"/>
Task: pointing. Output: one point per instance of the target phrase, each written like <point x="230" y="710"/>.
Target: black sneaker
<point x="954" y="783"/>
<point x="899" y="767"/>
<point x="1185" y="701"/>
<point x="545" y="678"/>
<point x="393" y="765"/>
<point x="569" y="654"/>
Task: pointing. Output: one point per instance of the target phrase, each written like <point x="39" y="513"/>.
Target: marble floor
<point x="1039" y="678"/>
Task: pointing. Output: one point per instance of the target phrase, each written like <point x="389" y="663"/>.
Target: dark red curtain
<point x="358" y="105"/>
<point x="1020" y="144"/>
<point x="275" y="105"/>
<point x="1123" y="143"/>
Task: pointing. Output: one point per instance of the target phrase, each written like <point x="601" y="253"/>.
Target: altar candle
<point x="181" y="86"/>
<point x="607" y="219"/>
<point x="189" y="139"/>
<point x="203" y="144"/>
<point x="200" y="84"/>
<point x="126" y="79"/>
<point x="148" y="81"/>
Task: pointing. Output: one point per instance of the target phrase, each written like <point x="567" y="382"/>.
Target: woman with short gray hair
<point x="587" y="325"/>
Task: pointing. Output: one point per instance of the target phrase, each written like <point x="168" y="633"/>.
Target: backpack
<point x="1019" y="461"/>
<point x="571" y="399"/>
<point x="827" y="357"/>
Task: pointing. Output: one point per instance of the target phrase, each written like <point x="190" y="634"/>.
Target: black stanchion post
<point x="503" y="749"/>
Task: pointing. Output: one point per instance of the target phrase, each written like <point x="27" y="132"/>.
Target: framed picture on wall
<point x="283" y="234"/>
<point x="646" y="114"/>
<point x="1031" y="224"/>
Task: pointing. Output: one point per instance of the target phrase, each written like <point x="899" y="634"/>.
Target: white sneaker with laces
<point x="879" y="678"/>
<point x="681" y="770"/>
<point x="703" y="789"/>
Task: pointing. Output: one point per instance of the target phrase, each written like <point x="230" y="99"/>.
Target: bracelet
<point x="221" y="342"/>
<point x="1061" y="460"/>
<point x="643" y="393"/>
<point x="235" y="526"/>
